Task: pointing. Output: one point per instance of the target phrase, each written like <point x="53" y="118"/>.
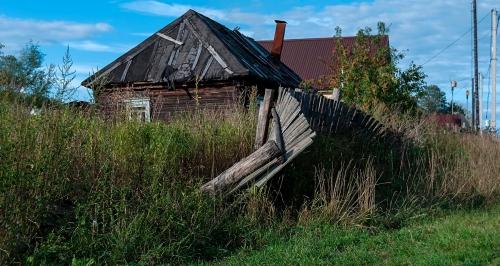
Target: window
<point x="138" y="109"/>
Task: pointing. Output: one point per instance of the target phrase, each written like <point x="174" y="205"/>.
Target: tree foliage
<point x="432" y="100"/>
<point x="457" y="109"/>
<point x="24" y="74"/>
<point x="368" y="73"/>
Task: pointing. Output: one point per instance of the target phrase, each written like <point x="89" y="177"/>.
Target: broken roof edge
<point x="245" y="80"/>
<point x="263" y="56"/>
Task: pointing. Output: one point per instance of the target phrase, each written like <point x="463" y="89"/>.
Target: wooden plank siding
<point x="165" y="104"/>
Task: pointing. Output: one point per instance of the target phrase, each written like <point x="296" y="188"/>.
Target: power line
<point x="454" y="42"/>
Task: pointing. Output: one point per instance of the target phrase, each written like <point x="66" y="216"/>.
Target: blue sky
<point x="99" y="31"/>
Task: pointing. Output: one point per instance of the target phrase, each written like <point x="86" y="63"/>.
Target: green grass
<point x="463" y="237"/>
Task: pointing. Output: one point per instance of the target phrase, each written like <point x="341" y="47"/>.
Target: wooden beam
<point x="169" y="38"/>
<point x="121" y="61"/>
<point x="207" y="66"/>
<point x="263" y="119"/>
<point x="124" y="74"/>
<point x="209" y="48"/>
<point x="294" y="152"/>
<point x="198" y="53"/>
<point x="219" y="59"/>
<point x="243" y="168"/>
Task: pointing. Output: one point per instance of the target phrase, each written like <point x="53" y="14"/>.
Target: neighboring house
<point x="311" y="58"/>
<point x="449" y="121"/>
<point x="193" y="61"/>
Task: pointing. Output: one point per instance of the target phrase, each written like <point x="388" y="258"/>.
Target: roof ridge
<point x="315" y="38"/>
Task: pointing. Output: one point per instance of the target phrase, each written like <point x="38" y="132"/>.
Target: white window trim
<point x="139" y="102"/>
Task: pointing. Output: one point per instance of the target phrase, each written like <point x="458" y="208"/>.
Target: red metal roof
<point x="309" y="58"/>
<point x="447" y="120"/>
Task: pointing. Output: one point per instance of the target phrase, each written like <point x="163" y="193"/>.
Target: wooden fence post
<point x="263" y="119"/>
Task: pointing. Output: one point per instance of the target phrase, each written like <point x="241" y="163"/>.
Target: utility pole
<point x="472" y="113"/>
<point x="480" y="105"/>
<point x="494" y="25"/>
<point x="475" y="94"/>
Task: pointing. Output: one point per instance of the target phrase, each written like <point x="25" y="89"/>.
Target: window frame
<point x="139" y="103"/>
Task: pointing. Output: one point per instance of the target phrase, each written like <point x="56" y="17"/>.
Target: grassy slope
<point x="470" y="238"/>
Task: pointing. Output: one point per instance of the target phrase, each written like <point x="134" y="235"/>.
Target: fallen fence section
<point x="329" y="117"/>
<point x="297" y="116"/>
<point x="289" y="136"/>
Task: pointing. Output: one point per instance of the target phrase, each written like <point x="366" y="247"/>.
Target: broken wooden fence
<point x="296" y="117"/>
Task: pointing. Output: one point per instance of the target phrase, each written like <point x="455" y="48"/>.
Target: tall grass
<point x="75" y="187"/>
<point x="356" y="180"/>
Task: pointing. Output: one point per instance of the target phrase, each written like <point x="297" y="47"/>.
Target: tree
<point x="457" y="109"/>
<point x="432" y="100"/>
<point x="64" y="89"/>
<point x="25" y="74"/>
<point x="368" y="74"/>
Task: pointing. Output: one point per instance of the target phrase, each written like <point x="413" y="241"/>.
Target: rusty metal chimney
<point x="279" y="36"/>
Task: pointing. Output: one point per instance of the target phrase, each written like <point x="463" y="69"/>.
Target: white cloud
<point x="170" y="10"/>
<point x="158" y="8"/>
<point x="15" y="32"/>
<point x="92" y="46"/>
<point x="142" y="34"/>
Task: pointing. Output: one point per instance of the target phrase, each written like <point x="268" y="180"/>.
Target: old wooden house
<point x="193" y="61"/>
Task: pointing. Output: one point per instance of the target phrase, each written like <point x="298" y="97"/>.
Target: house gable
<point x="194" y="48"/>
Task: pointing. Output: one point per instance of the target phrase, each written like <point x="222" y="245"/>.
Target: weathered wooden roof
<point x="195" y="47"/>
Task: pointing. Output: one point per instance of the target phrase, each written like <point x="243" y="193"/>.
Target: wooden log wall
<point x="165" y="103"/>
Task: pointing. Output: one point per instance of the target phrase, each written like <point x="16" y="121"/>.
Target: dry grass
<point x="343" y="196"/>
<point x="429" y="166"/>
<point x="463" y="166"/>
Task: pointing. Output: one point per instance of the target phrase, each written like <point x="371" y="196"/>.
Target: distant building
<point x="312" y="58"/>
<point x="449" y="121"/>
<point x="193" y="61"/>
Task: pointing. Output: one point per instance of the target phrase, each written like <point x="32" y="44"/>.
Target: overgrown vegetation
<point x="368" y="72"/>
<point x="76" y="188"/>
<point x="73" y="186"/>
